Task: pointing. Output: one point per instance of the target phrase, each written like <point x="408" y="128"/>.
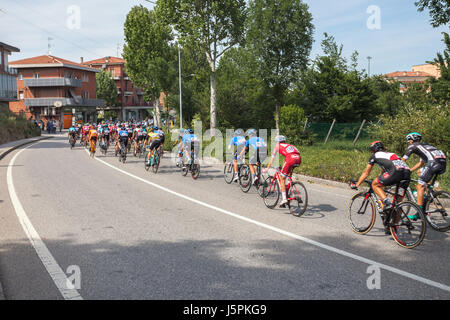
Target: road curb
<point x="31" y="140"/>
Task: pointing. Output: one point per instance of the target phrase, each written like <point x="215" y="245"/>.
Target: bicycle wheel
<point x="245" y="179"/>
<point x="260" y="186"/>
<point x="408" y="233"/>
<point x="437" y="211"/>
<point x="298" y="199"/>
<point x="228" y="172"/>
<point x="184" y="169"/>
<point x="361" y="213"/>
<point x="271" y="193"/>
<point x="155" y="164"/>
<point x="147" y="161"/>
<point x="195" y="172"/>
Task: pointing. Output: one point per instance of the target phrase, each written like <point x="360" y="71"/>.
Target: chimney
<point x="81" y="60"/>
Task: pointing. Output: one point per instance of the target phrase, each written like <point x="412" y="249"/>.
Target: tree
<point x="280" y="36"/>
<point x="148" y="53"/>
<point x="440" y="88"/>
<point x="330" y="89"/>
<point x="439" y="11"/>
<point x="216" y="25"/>
<point x="106" y="88"/>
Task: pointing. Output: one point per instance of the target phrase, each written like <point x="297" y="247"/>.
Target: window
<point x="20" y="95"/>
<point x="111" y="72"/>
<point x="36" y="75"/>
<point x="20" y="77"/>
<point x="85" y="77"/>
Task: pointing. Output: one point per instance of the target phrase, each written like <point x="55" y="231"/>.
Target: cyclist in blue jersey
<point x="239" y="142"/>
<point x="189" y="142"/>
<point x="123" y="139"/>
<point x="73" y="133"/>
<point x="259" y="154"/>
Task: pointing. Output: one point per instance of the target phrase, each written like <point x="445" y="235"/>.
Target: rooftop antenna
<point x="118" y="49"/>
<point x="49" y="45"/>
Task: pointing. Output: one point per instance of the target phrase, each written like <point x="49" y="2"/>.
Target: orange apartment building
<point x="420" y="74"/>
<point x="8" y="85"/>
<point x="130" y="99"/>
<point x="50" y="88"/>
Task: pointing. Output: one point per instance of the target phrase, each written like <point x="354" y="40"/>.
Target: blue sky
<point x="405" y="37"/>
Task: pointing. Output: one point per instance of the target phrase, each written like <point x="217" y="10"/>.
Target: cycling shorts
<point x="155" y="144"/>
<point x="432" y="168"/>
<point x="387" y="179"/>
<point x="290" y="161"/>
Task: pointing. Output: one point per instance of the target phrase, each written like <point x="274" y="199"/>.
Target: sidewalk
<point x="11" y="146"/>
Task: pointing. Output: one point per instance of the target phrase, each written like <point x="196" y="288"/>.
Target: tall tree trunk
<point x="277" y="115"/>
<point x="157" y="113"/>
<point x="213" y="103"/>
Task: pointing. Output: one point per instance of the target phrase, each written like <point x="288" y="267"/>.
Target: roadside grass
<point x="15" y="127"/>
<point x="338" y="160"/>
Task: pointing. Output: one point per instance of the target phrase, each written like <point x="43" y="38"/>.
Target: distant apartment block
<point x="130" y="99"/>
<point x="8" y="85"/>
<point x="54" y="88"/>
<point x="418" y="74"/>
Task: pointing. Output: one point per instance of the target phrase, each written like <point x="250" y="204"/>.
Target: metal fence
<point x="325" y="132"/>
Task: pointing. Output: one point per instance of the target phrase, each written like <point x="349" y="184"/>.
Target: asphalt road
<point x="131" y="234"/>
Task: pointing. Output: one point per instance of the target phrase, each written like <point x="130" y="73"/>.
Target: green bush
<point x="432" y="122"/>
<point x="292" y="120"/>
<point x="15" y="127"/>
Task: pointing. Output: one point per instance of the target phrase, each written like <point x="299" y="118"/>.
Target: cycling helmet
<point x="280" y="139"/>
<point x="238" y="132"/>
<point x="376" y="146"/>
<point x="155" y="128"/>
<point x="190" y="131"/>
<point x="186" y="131"/>
<point x="252" y="132"/>
<point x="414" y="136"/>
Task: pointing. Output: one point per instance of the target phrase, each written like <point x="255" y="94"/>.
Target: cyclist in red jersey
<point x="291" y="158"/>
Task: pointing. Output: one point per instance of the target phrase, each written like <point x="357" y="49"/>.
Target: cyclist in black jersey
<point x="393" y="168"/>
<point x="434" y="160"/>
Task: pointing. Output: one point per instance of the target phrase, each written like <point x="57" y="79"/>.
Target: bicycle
<point x="92" y="147"/>
<point x="296" y="194"/>
<point x="193" y="166"/>
<point x="406" y="233"/>
<point x="153" y="161"/>
<point x="122" y="153"/>
<point x="229" y="172"/>
<point x="245" y="178"/>
<point x="103" y="147"/>
<point x="436" y="205"/>
<point x="72" y="141"/>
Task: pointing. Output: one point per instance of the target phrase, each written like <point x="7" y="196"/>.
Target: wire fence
<point x="326" y="132"/>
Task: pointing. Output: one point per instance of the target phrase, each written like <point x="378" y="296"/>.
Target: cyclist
<point x="291" y="158"/>
<point x="92" y="138"/>
<point x="154" y="141"/>
<point x="73" y="133"/>
<point x="237" y="141"/>
<point x="84" y="131"/>
<point x="434" y="160"/>
<point x="260" y="152"/>
<point x="179" y="142"/>
<point x="122" y="139"/>
<point x="189" y="142"/>
<point x="137" y="136"/>
<point x="161" y="136"/>
<point x="393" y="169"/>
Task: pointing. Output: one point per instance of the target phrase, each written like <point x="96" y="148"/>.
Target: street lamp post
<point x="369" y="58"/>
<point x="179" y="77"/>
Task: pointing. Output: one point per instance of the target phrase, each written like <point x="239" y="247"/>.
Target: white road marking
<point x="54" y="270"/>
<point x="287" y="233"/>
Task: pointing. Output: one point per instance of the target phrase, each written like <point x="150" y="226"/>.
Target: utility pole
<point x="179" y="76"/>
<point x="369" y="58"/>
<point x="49" y="45"/>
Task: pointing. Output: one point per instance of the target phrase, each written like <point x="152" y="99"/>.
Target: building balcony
<point x="128" y="93"/>
<point x="8" y="87"/>
<point x="64" y="102"/>
<point x="52" y="82"/>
